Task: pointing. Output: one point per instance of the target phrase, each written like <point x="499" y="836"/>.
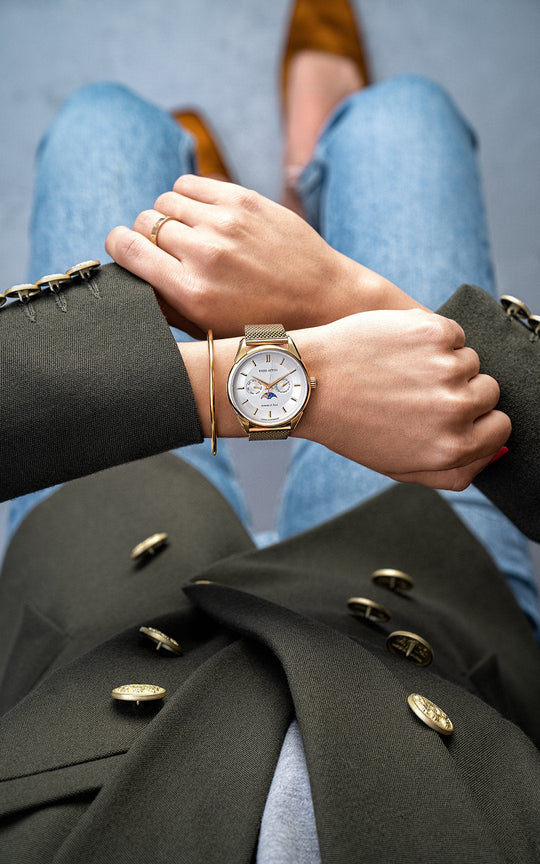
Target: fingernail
<point x="502" y="452"/>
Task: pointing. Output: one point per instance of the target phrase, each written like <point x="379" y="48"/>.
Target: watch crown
<point x="313" y="383"/>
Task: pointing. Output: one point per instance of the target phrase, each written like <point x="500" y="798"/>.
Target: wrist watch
<point x="268" y="385"/>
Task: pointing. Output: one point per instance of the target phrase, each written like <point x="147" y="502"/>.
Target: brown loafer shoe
<point x="209" y="159"/>
<point x="323" y="25"/>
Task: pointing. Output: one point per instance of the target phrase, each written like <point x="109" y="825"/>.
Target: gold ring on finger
<point x="158" y="226"/>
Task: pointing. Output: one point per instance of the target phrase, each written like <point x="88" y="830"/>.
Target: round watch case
<point x="268" y="386"/>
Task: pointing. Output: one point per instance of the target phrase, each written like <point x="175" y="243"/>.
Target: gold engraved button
<point x="430" y="714"/>
<point x="148" y="546"/>
<point x="161" y="639"/>
<point x="138" y="693"/>
<point x="55" y="281"/>
<point x="534" y="323"/>
<point x="394" y="580"/>
<point x="411" y="646"/>
<point x="203" y="582"/>
<point x="84" y="270"/>
<point x="514" y="307"/>
<point x="361" y="607"/>
<point x="23" y="291"/>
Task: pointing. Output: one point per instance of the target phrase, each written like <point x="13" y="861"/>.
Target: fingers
<point x="458" y="334"/>
<point x="137" y="254"/>
<point x="485" y="393"/>
<point x="186" y="210"/>
<point x="490" y="432"/>
<point x="452" y="480"/>
<point x="176" y="319"/>
<point x="203" y="189"/>
<point x="470" y="361"/>
<point x="173" y="235"/>
<point x="209" y="191"/>
<point x="480" y="441"/>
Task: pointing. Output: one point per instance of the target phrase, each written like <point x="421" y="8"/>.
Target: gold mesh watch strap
<point x="264" y="332"/>
<point x="269" y="434"/>
<point x="255" y="334"/>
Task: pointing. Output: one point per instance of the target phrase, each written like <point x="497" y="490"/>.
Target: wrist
<point x="311" y="346"/>
<point x="195" y="357"/>
<point x="358" y="289"/>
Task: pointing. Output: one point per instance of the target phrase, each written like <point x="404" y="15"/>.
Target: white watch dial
<point x="268" y="386"/>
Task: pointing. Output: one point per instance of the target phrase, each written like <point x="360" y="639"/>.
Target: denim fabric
<point x="394" y="184"/>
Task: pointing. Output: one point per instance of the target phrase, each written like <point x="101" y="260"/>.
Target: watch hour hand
<point x="265" y="384"/>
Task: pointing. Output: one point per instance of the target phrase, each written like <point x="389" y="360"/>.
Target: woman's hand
<point x="399" y="392"/>
<point x="233" y="257"/>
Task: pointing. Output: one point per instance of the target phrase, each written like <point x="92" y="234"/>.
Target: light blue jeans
<point x="394" y="184"/>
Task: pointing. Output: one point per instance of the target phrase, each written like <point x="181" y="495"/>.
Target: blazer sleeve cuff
<point x="509" y="351"/>
<point x="91" y="378"/>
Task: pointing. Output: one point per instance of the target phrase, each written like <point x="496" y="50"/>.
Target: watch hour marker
<point x="284" y="410"/>
<point x="297" y="385"/>
<point x="256" y="409"/>
<point x="244" y="374"/>
<point x="253" y="361"/>
<point x="282" y="362"/>
<point x="267" y="358"/>
<point x="293" y="399"/>
<point x="240" y="388"/>
<point x="244" y="402"/>
<point x="269" y="415"/>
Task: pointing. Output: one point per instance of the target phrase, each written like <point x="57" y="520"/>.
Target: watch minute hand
<point x="273" y="384"/>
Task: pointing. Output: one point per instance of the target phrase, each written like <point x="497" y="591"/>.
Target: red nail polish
<point x="502" y="452"/>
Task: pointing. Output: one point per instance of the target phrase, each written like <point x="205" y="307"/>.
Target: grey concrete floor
<point x="223" y="56"/>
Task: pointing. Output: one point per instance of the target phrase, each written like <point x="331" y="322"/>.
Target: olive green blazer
<point x="266" y="635"/>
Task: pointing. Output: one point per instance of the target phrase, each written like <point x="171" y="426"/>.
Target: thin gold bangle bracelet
<point x="212" y="383"/>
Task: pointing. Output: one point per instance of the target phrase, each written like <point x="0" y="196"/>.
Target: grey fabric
<point x="109" y="362"/>
<point x="288" y="833"/>
<point x="511" y="354"/>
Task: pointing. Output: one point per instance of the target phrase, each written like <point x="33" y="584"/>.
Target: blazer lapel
<point x="38" y="642"/>
<point x="197" y="780"/>
<point x="68" y="736"/>
<point x="372" y="764"/>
